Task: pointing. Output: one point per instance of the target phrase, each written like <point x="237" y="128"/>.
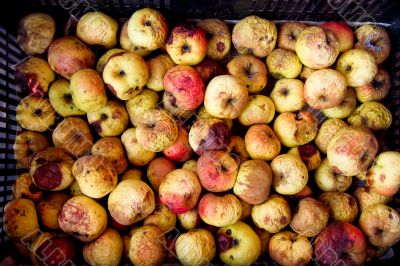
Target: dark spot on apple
<point x="291" y="36"/>
<point x="186" y="48"/>
<point x="121" y="73"/>
<point x="283" y="219"/>
<point x="56" y="250"/>
<point x="218" y="138"/>
<point x="247" y="70"/>
<point x="229" y="232"/>
<point x="38" y="112"/>
<point x="390" y="216"/>
<point x="170" y="39"/>
<point x="231" y="257"/>
<point x="299" y="117"/>
<point x="48" y="176"/>
<point x="231" y="101"/>
<point x="377" y="84"/>
<point x="224" y="242"/>
<point x="220" y="46"/>
<point x="187" y="29"/>
<point x="347" y="68"/>
<point x="103" y="117"/>
<point x="97" y="126"/>
<point x="382" y="178"/>
<point x="172" y="99"/>
<point x="306" y="152"/>
<point x="323" y="98"/>
<point x="67" y="97"/>
<point x="364" y="156"/>
<point x="284" y="91"/>
<point x="378" y="231"/>
<point x="147" y="22"/>
<point x="351" y="201"/>
<point x="367" y="189"/>
<point x="29" y="82"/>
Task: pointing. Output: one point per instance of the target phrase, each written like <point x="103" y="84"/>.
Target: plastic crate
<point x="384" y="12"/>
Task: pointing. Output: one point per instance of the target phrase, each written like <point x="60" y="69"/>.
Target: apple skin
<point x="201" y="241"/>
<point x="208" y="69"/>
<point x="343" y="33"/>
<point x="358" y="66"/>
<point x="340" y="244"/>
<point x="254" y="35"/>
<point x="217" y="170"/>
<point x="185" y="86"/>
<point x="352" y="149"/>
<point x="158" y="169"/>
<point x="374" y="39"/>
<point x="219" y="210"/>
<point x="381" y="225"/>
<point x="180" y="190"/>
<point x="147" y="28"/>
<point x="34" y="75"/>
<point x="238" y="244"/>
<point x="288" y="248"/>
<point x="187" y="44"/>
<point x="35" y="33"/>
<point x="317" y="47"/>
<point x="68" y="54"/>
<point x="384" y="175"/>
<point x="180" y="151"/>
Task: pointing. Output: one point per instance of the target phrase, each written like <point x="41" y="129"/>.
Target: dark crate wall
<point x="386" y="11"/>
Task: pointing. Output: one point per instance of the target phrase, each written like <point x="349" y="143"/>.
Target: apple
<point x="345" y="108"/>
<point x="317" y="47"/>
<point x="358" y="66"/>
<point x="180" y="190"/>
<point x="342" y="206"/>
<point x="288" y="248"/>
<point x="219" y="42"/>
<point x="185" y="86"/>
<point x="60" y="96"/>
<point x="238" y="244"/>
<point x="259" y="109"/>
<point x="283" y="63"/>
<point x="35" y="113"/>
<point x="261" y="142"/>
<point x="26" y="145"/>
<point x="250" y="70"/>
<point x="384" y="176"/>
<point x="288" y="33"/>
<point x="253" y="181"/>
<point x="366" y="197"/>
<point x="352" y="149"/>
<point x="147" y="28"/>
<point x="374" y="39"/>
<point x="372" y="114"/>
<point x="187" y="44"/>
<point x="341" y="244"/>
<point x="158" y="169"/>
<point x="109" y="121"/>
<point x="296" y="129"/>
<point x="34" y="75"/>
<point x="217" y="170"/>
<point x="208" y="69"/>
<point x="136" y="153"/>
<point x="201" y="241"/>
<point x="329" y="178"/>
<point x="254" y="35"/>
<point x="35" y="33"/>
<point x="325" y="88"/>
<point x="97" y="28"/>
<point x="343" y="33"/>
<point x="218" y="210"/>
<point x="310" y="218"/>
<point x="68" y="54"/>
<point x="180" y="151"/>
<point x="326" y="131"/>
<point x="127" y="44"/>
<point x="138" y="105"/>
<point x="125" y="74"/>
<point x="376" y="90"/>
<point x="288" y="95"/>
<point x="309" y="154"/>
<point x="381" y="225"/>
<point x="87" y="90"/>
<point x="158" y="66"/>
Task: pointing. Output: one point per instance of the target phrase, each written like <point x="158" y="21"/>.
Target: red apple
<point x="208" y="69"/>
<point x="340" y="244"/>
<point x="343" y="33"/>
<point x="180" y="151"/>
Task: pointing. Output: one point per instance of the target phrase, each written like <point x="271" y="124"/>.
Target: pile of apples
<point x="170" y="147"/>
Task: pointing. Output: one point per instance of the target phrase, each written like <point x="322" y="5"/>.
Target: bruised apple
<point x="180" y="190"/>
